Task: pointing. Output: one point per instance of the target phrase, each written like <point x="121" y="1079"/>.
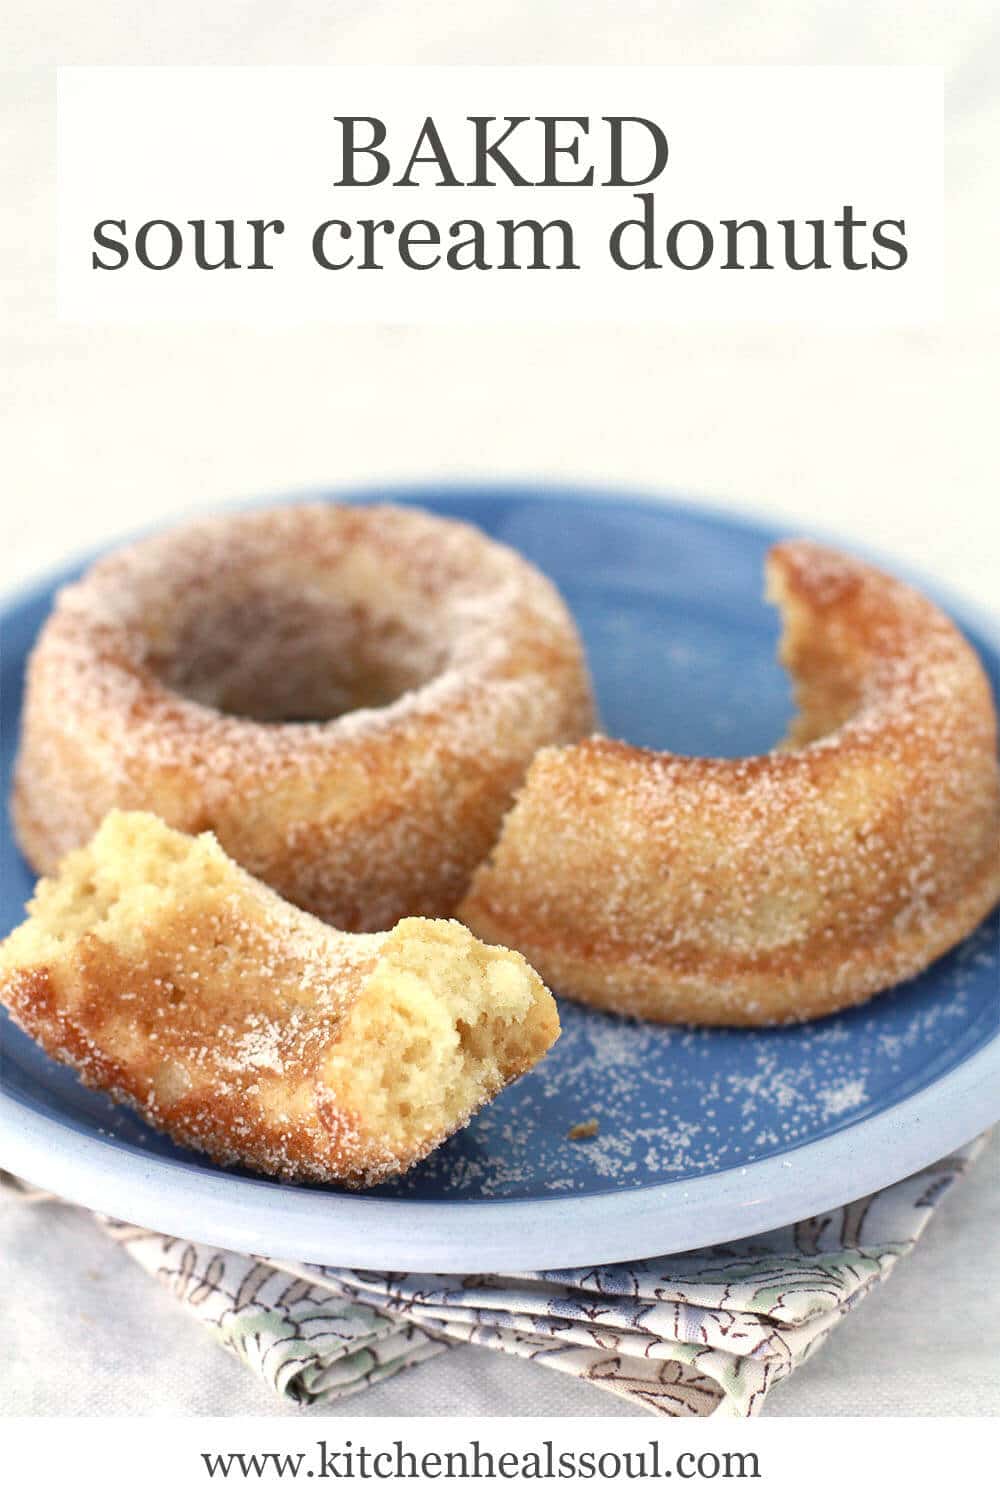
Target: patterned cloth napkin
<point x="701" y="1334"/>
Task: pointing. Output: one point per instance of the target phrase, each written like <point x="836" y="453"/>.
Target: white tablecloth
<point x="887" y="437"/>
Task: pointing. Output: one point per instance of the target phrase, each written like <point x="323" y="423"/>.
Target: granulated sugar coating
<point x="683" y="655"/>
<point x="347" y="697"/>
<point x="167" y="976"/>
<point x="675" y="1103"/>
<point x="773" y="887"/>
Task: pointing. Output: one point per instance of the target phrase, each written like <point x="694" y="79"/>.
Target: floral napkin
<point x="705" y="1333"/>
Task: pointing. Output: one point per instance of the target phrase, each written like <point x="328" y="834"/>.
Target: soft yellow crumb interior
<point x="133" y="865"/>
<point x="441" y="1025"/>
<point x="433" y="1026"/>
<point x="823" y="669"/>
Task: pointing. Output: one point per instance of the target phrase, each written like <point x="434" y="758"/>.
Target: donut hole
<point x="283" y="655"/>
<point x="443" y="1024"/>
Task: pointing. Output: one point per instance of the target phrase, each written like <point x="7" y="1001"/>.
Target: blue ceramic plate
<point x="704" y="1135"/>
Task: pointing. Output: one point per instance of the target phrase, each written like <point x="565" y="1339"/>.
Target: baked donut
<point x="168" y="976"/>
<point x="346" y="696"/>
<point x="782" y="886"/>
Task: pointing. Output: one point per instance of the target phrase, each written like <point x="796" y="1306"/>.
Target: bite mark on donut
<point x="169" y="977"/>
<point x="781" y="886"/>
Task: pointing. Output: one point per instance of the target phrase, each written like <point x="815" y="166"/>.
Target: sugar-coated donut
<point x="786" y="885"/>
<point x="346" y="696"/>
<point x="169" y="977"/>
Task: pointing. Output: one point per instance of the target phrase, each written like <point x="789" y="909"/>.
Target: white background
<point x="889" y="437"/>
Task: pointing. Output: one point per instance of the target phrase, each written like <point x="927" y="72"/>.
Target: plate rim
<point x="619" y="1225"/>
<point x="126" y="1181"/>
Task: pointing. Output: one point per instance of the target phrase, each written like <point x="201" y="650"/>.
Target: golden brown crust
<point x="165" y="681"/>
<point x="174" y="981"/>
<point x="783" y="886"/>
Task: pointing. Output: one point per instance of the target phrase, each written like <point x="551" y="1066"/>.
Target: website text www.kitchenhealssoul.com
<point x="476" y="1460"/>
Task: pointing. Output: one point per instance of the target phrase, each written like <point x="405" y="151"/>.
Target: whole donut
<point x="347" y="696"/>
<point x="782" y="886"/>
